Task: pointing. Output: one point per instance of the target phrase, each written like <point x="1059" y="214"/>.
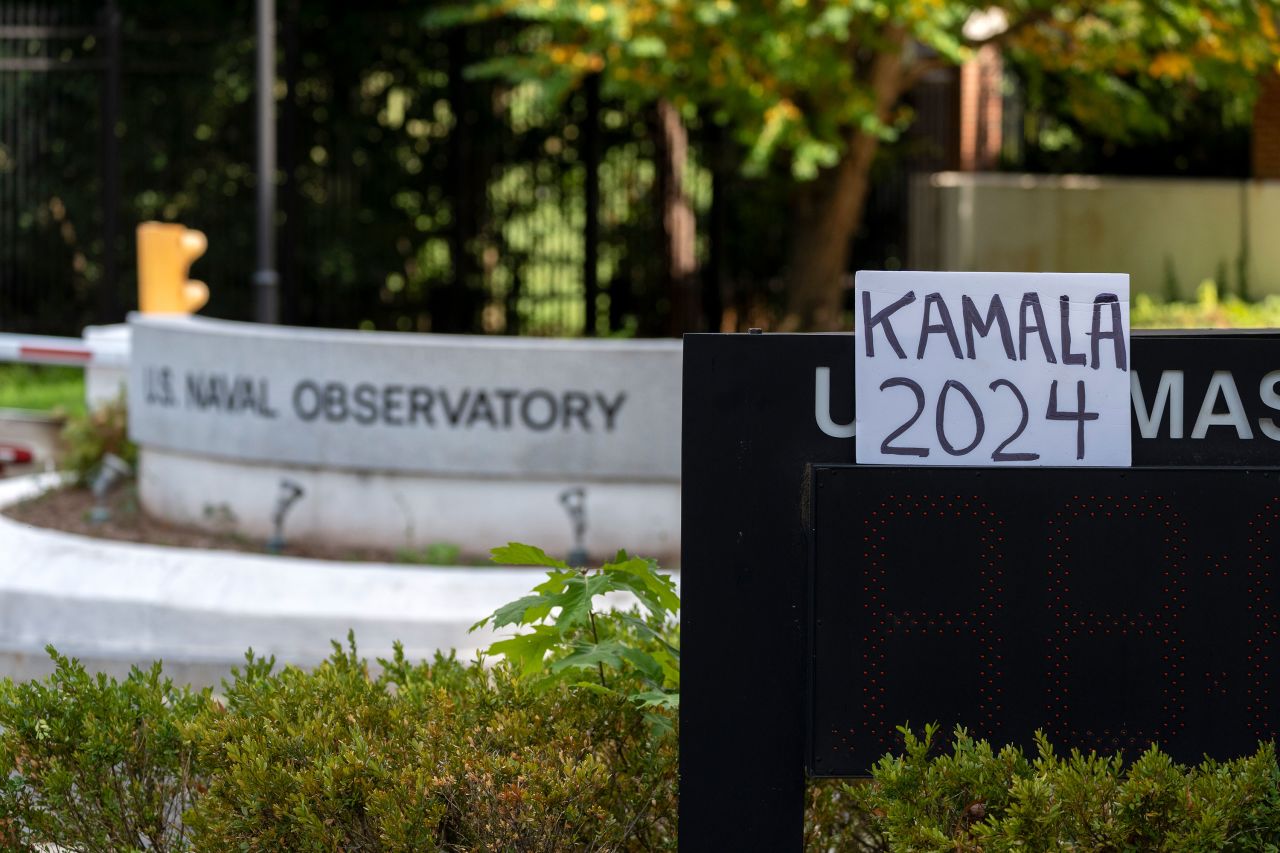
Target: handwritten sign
<point x="992" y="369"/>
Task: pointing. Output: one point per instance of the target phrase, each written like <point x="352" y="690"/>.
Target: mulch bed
<point x="67" y="509"/>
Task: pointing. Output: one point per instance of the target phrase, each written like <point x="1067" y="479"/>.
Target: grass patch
<point x="44" y="388"/>
<point x="1209" y="310"/>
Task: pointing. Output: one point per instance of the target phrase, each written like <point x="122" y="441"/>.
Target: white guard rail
<point x="96" y="350"/>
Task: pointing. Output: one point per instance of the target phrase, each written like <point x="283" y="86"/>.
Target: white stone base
<point x="107" y="374"/>
<point x="386" y="510"/>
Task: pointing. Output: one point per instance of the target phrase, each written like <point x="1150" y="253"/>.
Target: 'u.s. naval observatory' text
<point x="387" y="404"/>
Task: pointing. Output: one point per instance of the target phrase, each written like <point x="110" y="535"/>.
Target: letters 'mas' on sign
<point x="992" y="369"/>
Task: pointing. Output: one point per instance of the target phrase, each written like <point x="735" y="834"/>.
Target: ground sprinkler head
<point x="574" y="501"/>
<point x="290" y="493"/>
<point x="111" y="470"/>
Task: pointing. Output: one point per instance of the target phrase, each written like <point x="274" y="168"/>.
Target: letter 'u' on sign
<point x="992" y="369"/>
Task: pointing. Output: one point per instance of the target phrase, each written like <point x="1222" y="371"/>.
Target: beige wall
<point x="1078" y="223"/>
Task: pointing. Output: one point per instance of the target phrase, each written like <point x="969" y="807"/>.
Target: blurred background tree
<point x="411" y="199"/>
<point x="624" y="167"/>
<point x="822" y="84"/>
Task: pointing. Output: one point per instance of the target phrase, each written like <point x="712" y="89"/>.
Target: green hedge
<point x="976" y="798"/>
<point x="92" y="764"/>
<point x="425" y="757"/>
<point x="568" y="743"/>
<point x="418" y="757"/>
<point x="451" y="756"/>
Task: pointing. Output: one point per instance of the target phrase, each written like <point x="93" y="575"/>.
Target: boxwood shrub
<point x="971" y="796"/>
<point x="414" y="757"/>
<point x="450" y="756"/>
<point x="438" y="756"/>
<point x="91" y="764"/>
<point x="570" y="744"/>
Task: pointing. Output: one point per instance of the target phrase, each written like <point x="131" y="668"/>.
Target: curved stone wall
<point x="402" y="440"/>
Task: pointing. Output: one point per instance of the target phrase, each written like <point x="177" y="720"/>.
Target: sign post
<point x="763" y="416"/>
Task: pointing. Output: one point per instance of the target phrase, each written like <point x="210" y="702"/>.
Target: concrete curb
<point x="117" y="603"/>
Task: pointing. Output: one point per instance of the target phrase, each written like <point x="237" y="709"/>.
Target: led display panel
<point x="1109" y="608"/>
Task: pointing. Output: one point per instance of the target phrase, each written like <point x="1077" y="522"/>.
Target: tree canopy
<point x="820" y="83"/>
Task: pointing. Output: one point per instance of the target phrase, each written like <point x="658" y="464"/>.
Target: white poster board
<point x="992" y="369"/>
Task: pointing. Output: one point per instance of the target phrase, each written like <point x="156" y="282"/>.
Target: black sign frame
<point x="751" y="427"/>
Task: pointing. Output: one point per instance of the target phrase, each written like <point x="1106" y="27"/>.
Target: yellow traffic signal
<point x="166" y="251"/>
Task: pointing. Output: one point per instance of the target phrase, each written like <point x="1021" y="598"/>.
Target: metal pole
<point x="287" y="244"/>
<point x="266" y="281"/>
<point x="109" y="287"/>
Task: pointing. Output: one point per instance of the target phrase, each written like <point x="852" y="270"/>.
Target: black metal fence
<point x="413" y="196"/>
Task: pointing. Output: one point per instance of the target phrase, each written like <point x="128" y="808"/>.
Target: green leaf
<point x="522" y="611"/>
<point x="518" y="554"/>
<point x="670" y="663"/>
<point x="611" y="653"/>
<point x="644" y="662"/>
<point x="595" y="687"/>
<point x="647" y="47"/>
<point x="568" y="590"/>
<point x="656" y="699"/>
<point x="812" y="155"/>
<point x="658" y="725"/>
<point x="532" y="608"/>
<point x="527" y="651"/>
<point x="560" y="608"/>
<point x="589" y="655"/>
<point x="649" y="631"/>
<point x="657" y="592"/>
<point x="575" y="602"/>
<point x="556" y="582"/>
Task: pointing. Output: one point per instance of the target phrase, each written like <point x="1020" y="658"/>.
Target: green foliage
<point x="1209" y="310"/>
<point x="446" y="756"/>
<point x="93" y="764"/>
<point x="980" y="799"/>
<point x="805" y="78"/>
<point x="572" y="637"/>
<point x="421" y="757"/>
<point x="42" y="388"/>
<point x="814" y="89"/>
<point x="91" y="435"/>
<point x="439" y="756"/>
<point x="834" y="820"/>
<point x="461" y="204"/>
<point x="1172" y="288"/>
<point x="432" y="554"/>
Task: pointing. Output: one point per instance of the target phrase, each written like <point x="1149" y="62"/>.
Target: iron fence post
<point x="591" y="225"/>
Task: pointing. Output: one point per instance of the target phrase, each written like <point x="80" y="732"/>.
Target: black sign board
<point x="758" y="411"/>
<point x="1207" y="399"/>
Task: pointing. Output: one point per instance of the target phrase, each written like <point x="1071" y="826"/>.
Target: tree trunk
<point x="679" y="224"/>
<point x="828" y="216"/>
